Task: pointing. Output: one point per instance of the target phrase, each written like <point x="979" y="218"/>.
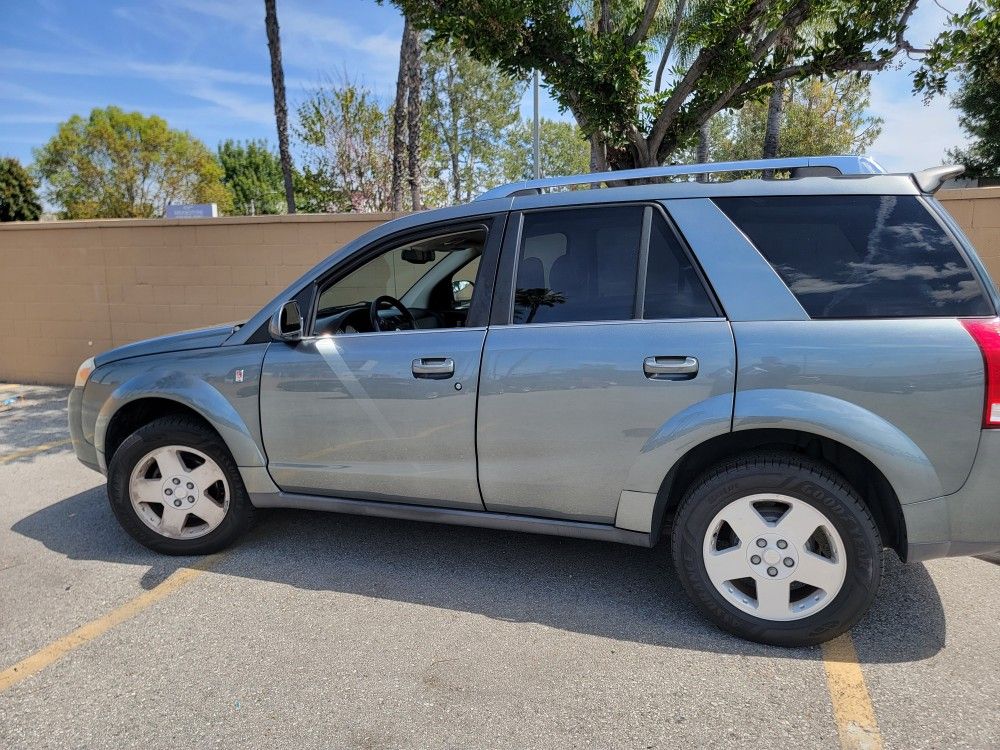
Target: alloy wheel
<point x="775" y="557"/>
<point x="179" y="492"/>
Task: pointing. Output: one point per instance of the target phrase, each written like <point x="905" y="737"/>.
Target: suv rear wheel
<point x="175" y="488"/>
<point x="777" y="548"/>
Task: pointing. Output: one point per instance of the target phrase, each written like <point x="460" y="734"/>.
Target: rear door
<point x="607" y="331"/>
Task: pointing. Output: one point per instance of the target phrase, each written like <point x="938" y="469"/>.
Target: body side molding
<point x="454" y="516"/>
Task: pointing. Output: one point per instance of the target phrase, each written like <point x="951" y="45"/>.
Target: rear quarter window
<point x="861" y="256"/>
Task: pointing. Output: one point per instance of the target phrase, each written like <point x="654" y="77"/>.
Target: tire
<point x="758" y="493"/>
<point x="210" y="517"/>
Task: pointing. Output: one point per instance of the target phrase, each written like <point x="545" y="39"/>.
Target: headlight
<point x="83" y="374"/>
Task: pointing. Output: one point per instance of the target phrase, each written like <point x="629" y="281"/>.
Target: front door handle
<point x="670" y="368"/>
<point x="435" y="368"/>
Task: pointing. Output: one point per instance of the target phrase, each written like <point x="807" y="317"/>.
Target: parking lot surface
<point x="322" y="630"/>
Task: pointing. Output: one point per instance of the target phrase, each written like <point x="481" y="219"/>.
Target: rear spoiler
<point x="930" y="180"/>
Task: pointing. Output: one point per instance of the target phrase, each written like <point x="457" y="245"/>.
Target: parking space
<point x="337" y="631"/>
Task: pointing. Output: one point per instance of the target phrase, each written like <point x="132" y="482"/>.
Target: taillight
<point x="987" y="335"/>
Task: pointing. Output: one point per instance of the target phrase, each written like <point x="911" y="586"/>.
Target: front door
<point x="608" y="333"/>
<point x="380" y="404"/>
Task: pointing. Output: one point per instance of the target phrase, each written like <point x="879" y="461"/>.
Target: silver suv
<point x="785" y="376"/>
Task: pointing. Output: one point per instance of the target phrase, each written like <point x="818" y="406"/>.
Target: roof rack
<point x="802" y="165"/>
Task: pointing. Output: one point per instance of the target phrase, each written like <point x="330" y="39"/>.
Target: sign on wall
<point x="192" y="211"/>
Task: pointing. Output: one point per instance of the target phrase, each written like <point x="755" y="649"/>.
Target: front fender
<point x="192" y="392"/>
<point x="905" y="465"/>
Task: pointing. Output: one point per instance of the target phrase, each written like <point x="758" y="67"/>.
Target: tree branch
<point x="648" y="13"/>
<point x="706" y="57"/>
<point x="675" y="28"/>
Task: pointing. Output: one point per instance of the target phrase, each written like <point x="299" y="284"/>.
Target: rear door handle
<point x="435" y="368"/>
<point x="670" y="368"/>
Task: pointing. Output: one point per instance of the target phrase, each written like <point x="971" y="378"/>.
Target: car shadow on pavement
<point x="603" y="589"/>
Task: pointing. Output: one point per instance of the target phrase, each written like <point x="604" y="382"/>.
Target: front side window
<point x="860" y="256"/>
<point x="432" y="278"/>
<point x="578" y="265"/>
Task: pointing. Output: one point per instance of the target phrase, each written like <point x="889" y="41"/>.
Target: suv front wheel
<point x="777" y="548"/>
<point x="175" y="488"/>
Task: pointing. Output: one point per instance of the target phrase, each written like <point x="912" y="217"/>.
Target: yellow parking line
<point x="852" y="705"/>
<point x="6" y="458"/>
<point x="86" y="633"/>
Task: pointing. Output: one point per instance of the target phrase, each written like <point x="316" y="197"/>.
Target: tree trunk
<point x="598" y="154"/>
<point x="414" y="82"/>
<point x="703" y="149"/>
<point x="280" y="106"/>
<point x="456" y="176"/>
<point x="772" y="132"/>
<point x="776" y="107"/>
<point x="399" y="122"/>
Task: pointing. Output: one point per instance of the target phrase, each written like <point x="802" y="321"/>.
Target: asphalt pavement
<point x="322" y="630"/>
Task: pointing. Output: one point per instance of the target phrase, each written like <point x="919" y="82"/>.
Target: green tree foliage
<point x="252" y="172"/>
<point x="347" y="164"/>
<point x="469" y="110"/>
<point x="563" y="148"/>
<point x="117" y="164"/>
<point x="18" y="199"/>
<point x="596" y="56"/>
<point x="969" y="50"/>
<point x="819" y="117"/>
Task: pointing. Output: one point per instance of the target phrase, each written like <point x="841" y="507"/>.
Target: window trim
<point x="503" y="306"/>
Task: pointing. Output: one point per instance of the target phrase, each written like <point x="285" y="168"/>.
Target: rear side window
<point x="673" y="287"/>
<point x="860" y="256"/>
<point x="578" y="265"/>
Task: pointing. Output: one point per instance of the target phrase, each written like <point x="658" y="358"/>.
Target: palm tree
<point x="399" y="122"/>
<point x="280" y="106"/>
<point x="406" y="120"/>
<point x="776" y="104"/>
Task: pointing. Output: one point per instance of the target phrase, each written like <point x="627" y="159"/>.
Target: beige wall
<point x="69" y="290"/>
<point x="977" y="210"/>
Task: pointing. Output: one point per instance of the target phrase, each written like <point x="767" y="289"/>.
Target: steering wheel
<point x="408" y="322"/>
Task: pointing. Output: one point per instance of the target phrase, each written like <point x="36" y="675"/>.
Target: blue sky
<point x="203" y="65"/>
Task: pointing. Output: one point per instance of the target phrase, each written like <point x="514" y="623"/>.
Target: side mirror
<point x="462" y="290"/>
<point x="286" y="323"/>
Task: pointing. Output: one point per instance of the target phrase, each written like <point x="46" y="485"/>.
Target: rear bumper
<point x="85" y="451"/>
<point x="966" y="522"/>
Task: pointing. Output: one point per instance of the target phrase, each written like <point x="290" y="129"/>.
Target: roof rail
<point x="850" y="165"/>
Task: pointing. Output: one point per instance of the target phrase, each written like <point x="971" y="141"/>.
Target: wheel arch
<point x="141" y="411"/>
<point x="869" y="481"/>
<point x="146" y="397"/>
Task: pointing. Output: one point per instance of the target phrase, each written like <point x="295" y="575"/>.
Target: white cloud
<point x="258" y="109"/>
<point x="314" y="41"/>
<point x="914" y="135"/>
<point x="108" y="66"/>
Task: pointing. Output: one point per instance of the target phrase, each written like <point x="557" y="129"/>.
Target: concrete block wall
<point x="71" y="289"/>
<point x="977" y="210"/>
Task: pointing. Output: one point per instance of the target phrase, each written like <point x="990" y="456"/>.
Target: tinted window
<point x="578" y="264"/>
<point x="673" y="286"/>
<point x="860" y="256"/>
